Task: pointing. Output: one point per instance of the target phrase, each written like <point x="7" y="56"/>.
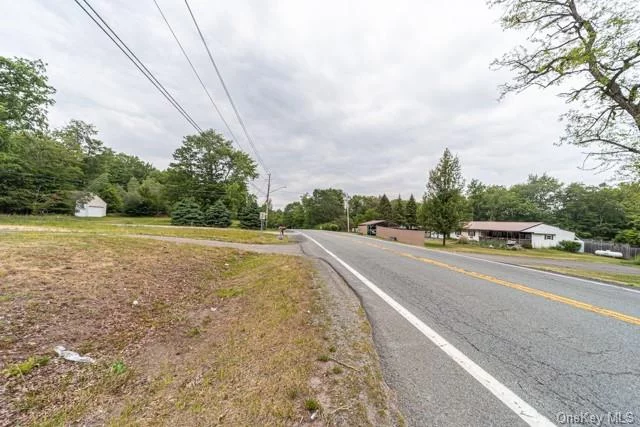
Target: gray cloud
<point x="356" y="95"/>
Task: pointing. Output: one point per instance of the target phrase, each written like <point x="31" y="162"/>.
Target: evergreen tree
<point x="445" y="205"/>
<point x="249" y="216"/>
<point x="384" y="208"/>
<point x="186" y="212"/>
<point x="218" y="215"/>
<point x="397" y="211"/>
<point x="411" y="213"/>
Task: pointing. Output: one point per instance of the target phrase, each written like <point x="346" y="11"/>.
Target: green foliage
<point x="311" y="405"/>
<point x="328" y="226"/>
<point x="592" y="49"/>
<point x="384" y="208"/>
<point x="569" y="245"/>
<point x="24" y="367"/>
<point x="217" y="215"/>
<point x="208" y="167"/>
<point x="632" y="237"/>
<point x="411" y="212"/>
<point x="24" y="94"/>
<point x="445" y="205"/>
<point x="398" y="211"/>
<point x="118" y="367"/>
<point x="324" y="205"/>
<point x="249" y="215"/>
<point x="186" y="212"/>
<point x="293" y="215"/>
<point x="462" y="240"/>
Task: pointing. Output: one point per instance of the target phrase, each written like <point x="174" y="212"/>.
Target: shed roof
<point x="500" y="225"/>
<point x="374" y="222"/>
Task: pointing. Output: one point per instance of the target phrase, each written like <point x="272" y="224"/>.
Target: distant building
<point x="536" y="234"/>
<point x="91" y="206"/>
<point x="369" y="228"/>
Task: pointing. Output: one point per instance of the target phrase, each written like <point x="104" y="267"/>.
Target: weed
<point x="332" y="349"/>
<point x="24" y="367"/>
<point x="193" y="332"/>
<point x="337" y="370"/>
<point x="292" y="393"/>
<point x="323" y="358"/>
<point x="311" y="405"/>
<point x="228" y="292"/>
<point x="119" y="367"/>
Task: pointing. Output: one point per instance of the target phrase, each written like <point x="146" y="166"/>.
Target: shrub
<point x="186" y="212"/>
<point x="329" y="226"/>
<point x="527" y="245"/>
<point x="636" y="260"/>
<point x="249" y="215"/>
<point x="217" y="215"/>
<point x="569" y="245"/>
<point x="463" y="240"/>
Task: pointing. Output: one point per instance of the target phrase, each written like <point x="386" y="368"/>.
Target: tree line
<point x="608" y="212"/>
<point x="45" y="170"/>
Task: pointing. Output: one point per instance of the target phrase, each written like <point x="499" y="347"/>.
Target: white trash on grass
<point x="72" y="355"/>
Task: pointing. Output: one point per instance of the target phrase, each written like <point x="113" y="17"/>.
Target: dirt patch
<point x="181" y="335"/>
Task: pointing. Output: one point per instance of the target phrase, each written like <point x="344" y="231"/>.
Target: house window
<point x="548" y="237"/>
<point x="457" y="233"/>
<point x="472" y="233"/>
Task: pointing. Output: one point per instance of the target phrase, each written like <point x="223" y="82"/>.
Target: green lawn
<point x="622" y="279"/>
<point x="453" y="246"/>
<point x="160" y="226"/>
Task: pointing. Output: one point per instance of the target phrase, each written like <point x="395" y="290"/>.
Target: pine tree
<point x="249" y="216"/>
<point x="217" y="215"/>
<point x="397" y="211"/>
<point x="384" y="208"/>
<point x="186" y="212"/>
<point x="411" y="212"/>
<point x="445" y="205"/>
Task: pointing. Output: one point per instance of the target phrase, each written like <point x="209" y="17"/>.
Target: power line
<point x="147" y="73"/>
<point x="175" y="37"/>
<point x="226" y="90"/>
<point x="139" y="65"/>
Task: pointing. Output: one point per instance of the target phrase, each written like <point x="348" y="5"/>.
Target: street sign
<point x="263" y="216"/>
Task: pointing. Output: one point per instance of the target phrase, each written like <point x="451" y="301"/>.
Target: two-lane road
<point x="465" y="341"/>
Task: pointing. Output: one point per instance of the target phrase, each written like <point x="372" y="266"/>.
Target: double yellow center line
<point x="548" y="295"/>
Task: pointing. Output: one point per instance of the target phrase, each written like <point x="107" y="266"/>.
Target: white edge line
<point x="535" y="270"/>
<point x="499" y="390"/>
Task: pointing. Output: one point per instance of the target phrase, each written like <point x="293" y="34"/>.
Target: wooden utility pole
<point x="266" y="215"/>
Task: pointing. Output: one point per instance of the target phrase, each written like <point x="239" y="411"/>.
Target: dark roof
<point x="499" y="225"/>
<point x="374" y="222"/>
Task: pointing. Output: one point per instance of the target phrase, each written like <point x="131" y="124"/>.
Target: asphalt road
<point x="465" y="341"/>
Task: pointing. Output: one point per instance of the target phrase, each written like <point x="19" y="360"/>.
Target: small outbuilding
<point x="369" y="228"/>
<point x="91" y="205"/>
<point x="532" y="234"/>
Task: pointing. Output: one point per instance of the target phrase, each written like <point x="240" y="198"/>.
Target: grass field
<point x="129" y="225"/>
<point x="536" y="253"/>
<point x="181" y="335"/>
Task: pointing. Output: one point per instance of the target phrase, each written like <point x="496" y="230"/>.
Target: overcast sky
<point x="358" y="95"/>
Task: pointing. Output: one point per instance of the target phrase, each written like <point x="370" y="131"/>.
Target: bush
<point x="463" y="240"/>
<point x="217" y="215"/>
<point x="329" y="226"/>
<point x="493" y="243"/>
<point x="249" y="215"/>
<point x="636" y="260"/>
<point x="186" y="212"/>
<point x="569" y="245"/>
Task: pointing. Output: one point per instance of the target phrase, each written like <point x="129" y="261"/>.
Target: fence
<point x="412" y="237"/>
<point x="628" y="251"/>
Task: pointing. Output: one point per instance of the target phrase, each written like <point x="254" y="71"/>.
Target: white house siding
<point x="540" y="231"/>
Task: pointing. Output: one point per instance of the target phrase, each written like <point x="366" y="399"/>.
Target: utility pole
<point x="266" y="215"/>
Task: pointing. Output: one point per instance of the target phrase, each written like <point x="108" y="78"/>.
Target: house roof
<point x="374" y="222"/>
<point x="499" y="225"/>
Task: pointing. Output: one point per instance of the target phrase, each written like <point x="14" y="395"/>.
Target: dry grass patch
<point x="182" y="335"/>
<point x="124" y="225"/>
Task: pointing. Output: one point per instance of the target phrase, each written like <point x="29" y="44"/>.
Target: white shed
<point x="91" y="206"/>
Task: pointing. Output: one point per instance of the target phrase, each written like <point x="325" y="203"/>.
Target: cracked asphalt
<point x="563" y="360"/>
